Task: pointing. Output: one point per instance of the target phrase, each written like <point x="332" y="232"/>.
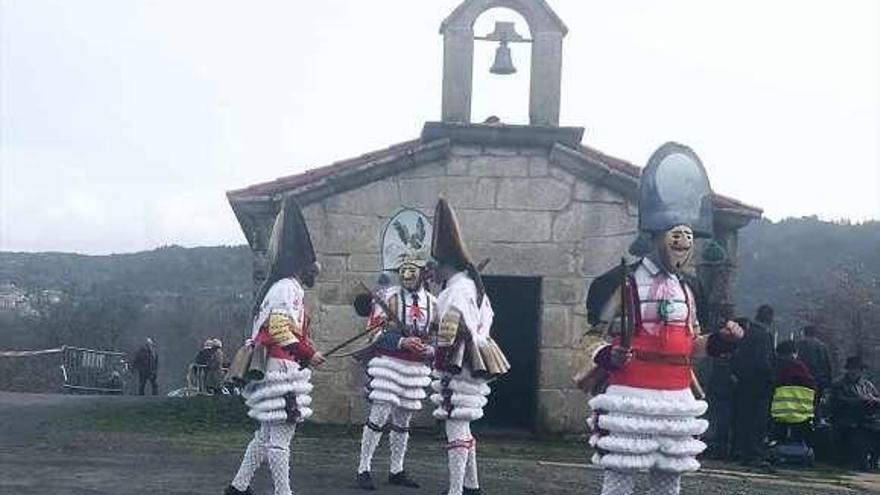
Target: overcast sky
<point x="124" y="122"/>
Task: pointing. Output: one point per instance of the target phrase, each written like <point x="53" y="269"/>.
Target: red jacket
<point x="793" y="371"/>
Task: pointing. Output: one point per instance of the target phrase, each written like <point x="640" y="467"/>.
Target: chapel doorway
<point x="517" y="304"/>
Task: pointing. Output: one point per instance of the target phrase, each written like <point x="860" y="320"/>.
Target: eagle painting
<point x="416" y="240"/>
<point x="407" y="235"/>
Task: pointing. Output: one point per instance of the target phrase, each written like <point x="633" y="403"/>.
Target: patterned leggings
<point x="270" y="443"/>
<point x="624" y="483"/>
<point x="461" y="451"/>
<point x="380" y="412"/>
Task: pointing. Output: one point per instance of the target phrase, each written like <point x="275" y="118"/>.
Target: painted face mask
<point x="410" y="276"/>
<point x="675" y="248"/>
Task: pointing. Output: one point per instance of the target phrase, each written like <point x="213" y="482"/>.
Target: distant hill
<point x="179" y="296"/>
<point x="183" y="296"/>
<point x="788" y="264"/>
<point x="171" y="269"/>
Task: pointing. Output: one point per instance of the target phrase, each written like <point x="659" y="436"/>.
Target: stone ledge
<point x="503" y="135"/>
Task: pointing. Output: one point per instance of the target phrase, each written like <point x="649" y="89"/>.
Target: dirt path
<point x="47" y="448"/>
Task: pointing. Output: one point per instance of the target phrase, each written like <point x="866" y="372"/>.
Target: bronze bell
<point x="503" y="61"/>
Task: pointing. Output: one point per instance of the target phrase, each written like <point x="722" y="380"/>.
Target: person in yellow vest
<point x="794" y="394"/>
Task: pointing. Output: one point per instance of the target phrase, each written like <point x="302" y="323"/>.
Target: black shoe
<point x="365" y="481"/>
<point x="231" y="490"/>
<point x="401" y="479"/>
<point x="471" y="491"/>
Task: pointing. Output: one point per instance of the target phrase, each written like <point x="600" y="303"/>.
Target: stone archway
<point x="546" y="70"/>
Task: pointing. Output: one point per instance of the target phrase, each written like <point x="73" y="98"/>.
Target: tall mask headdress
<point x="290" y="248"/>
<point x="674" y="190"/>
<point x="448" y="246"/>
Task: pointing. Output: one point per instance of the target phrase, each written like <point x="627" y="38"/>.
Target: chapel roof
<point x="568" y="153"/>
<point x="290" y="183"/>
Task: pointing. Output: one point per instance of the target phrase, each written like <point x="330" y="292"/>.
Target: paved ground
<point x="52" y="445"/>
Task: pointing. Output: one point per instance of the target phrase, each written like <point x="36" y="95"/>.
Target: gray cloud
<point x="122" y="123"/>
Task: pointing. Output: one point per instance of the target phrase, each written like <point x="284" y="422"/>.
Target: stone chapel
<point x="548" y="211"/>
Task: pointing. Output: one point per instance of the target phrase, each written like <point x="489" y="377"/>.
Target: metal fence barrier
<point x="88" y="371"/>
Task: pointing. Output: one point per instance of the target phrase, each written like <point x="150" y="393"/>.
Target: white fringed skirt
<point x="635" y="429"/>
<point x="398" y="382"/>
<point x="265" y="398"/>
<point x="460" y="396"/>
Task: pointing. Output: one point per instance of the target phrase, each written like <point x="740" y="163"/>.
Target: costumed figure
<point x="281" y="399"/>
<point x="467" y="357"/>
<point x="399" y="370"/>
<point x="645" y="414"/>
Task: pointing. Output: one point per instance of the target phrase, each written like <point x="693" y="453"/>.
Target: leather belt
<point x="659" y="357"/>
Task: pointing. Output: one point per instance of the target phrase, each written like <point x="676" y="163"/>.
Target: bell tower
<point x="547" y="31"/>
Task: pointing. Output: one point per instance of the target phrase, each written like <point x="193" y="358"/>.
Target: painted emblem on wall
<point x="406" y="237"/>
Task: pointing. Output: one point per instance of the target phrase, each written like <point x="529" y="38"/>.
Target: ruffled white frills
<point x="647" y="429"/>
<point x="468" y="395"/>
<point x="265" y="398"/>
<point x="398" y="382"/>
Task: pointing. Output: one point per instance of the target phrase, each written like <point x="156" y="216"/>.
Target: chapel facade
<point x="547" y="211"/>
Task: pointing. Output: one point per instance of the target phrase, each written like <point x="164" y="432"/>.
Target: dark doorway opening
<point x="517" y="304"/>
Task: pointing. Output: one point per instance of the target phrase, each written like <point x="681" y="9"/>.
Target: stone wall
<point x="530" y="217"/>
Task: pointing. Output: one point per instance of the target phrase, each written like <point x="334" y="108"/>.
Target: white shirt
<point x="658" y="288"/>
<point x="286" y="296"/>
<point x="427" y="307"/>
<point x="461" y="294"/>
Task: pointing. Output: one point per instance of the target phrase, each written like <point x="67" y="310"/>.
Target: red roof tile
<point x="298" y="180"/>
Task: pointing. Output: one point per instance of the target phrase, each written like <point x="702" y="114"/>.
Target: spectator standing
<point x="208" y="370"/>
<point x="214" y="375"/>
<point x="203" y="357"/>
<point x="720" y="396"/>
<point x="146" y="363"/>
<point x="855" y="416"/>
<point x="752" y="367"/>
<point x="814" y="353"/>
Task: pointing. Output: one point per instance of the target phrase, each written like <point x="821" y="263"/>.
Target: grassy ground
<point x="214" y="425"/>
<point x="72" y="445"/>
